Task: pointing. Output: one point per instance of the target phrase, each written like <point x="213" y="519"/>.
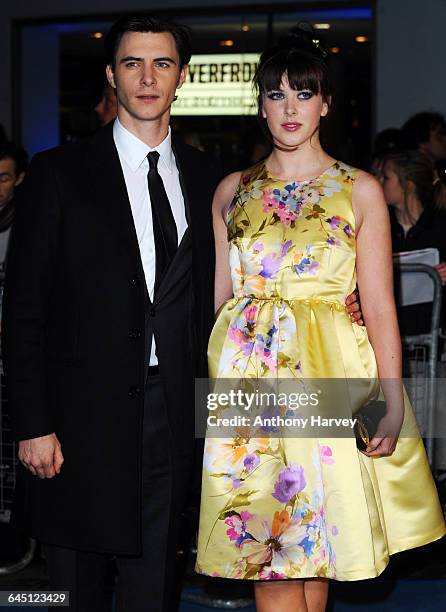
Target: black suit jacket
<point x="77" y="326"/>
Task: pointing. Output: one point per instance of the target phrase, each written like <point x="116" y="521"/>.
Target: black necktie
<point x="164" y="227"/>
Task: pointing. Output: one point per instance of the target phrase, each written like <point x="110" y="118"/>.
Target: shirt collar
<point x="135" y="151"/>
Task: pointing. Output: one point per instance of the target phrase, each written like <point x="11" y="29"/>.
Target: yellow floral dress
<point x="284" y="507"/>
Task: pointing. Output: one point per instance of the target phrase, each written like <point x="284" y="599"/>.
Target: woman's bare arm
<point x="222" y="198"/>
<point x="375" y="281"/>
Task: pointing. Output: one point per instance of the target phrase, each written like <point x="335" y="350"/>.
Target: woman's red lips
<point x="291" y="127"/>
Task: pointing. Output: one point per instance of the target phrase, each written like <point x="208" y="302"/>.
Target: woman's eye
<point x="275" y="95"/>
<point x="305" y="95"/>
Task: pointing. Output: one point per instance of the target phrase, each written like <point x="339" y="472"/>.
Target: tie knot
<point x="153" y="158"/>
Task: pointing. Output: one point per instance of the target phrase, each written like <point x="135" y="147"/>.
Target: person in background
<point x="107" y="107"/>
<point x="13" y="164"/>
<point x="426" y="132"/>
<point x="388" y="139"/>
<point x="417" y="202"/>
<point x="417" y="198"/>
<point x="385" y="141"/>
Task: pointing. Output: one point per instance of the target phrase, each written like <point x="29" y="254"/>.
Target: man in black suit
<point x="107" y="309"/>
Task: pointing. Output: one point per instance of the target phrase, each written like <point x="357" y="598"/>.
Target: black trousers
<point x="145" y="583"/>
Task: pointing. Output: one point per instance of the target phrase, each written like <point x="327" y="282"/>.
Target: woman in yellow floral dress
<point x="301" y="231"/>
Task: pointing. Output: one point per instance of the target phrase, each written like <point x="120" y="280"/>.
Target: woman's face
<point x="292" y="115"/>
<point x="393" y="190"/>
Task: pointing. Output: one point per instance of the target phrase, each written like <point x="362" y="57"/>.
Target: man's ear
<point x="19" y="179"/>
<point x="182" y="77"/>
<point x="110" y="76"/>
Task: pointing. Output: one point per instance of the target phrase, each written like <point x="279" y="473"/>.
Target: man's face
<point x="9" y="180"/>
<point x="146" y="75"/>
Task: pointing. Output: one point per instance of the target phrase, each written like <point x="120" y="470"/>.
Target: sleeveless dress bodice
<point x="292" y="257"/>
<point x="293" y="240"/>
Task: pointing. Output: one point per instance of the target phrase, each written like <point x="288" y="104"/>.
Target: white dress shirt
<point x="133" y="157"/>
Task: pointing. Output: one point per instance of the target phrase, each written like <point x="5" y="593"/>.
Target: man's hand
<point x="354" y="308"/>
<point x="441" y="269"/>
<point x="42" y="456"/>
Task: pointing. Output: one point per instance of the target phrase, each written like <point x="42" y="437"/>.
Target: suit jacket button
<point x="152" y="312"/>
<point x="135" y="281"/>
<point x="134" y="334"/>
<point x="134" y="392"/>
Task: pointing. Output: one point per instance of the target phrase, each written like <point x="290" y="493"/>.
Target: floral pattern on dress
<point x="287" y="204"/>
<point x="281" y="544"/>
<point x="261" y="261"/>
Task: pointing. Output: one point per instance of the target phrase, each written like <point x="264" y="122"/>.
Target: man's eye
<point x="275" y="95"/>
<point x="163" y="64"/>
<point x="131" y="64"/>
<point x="305" y="94"/>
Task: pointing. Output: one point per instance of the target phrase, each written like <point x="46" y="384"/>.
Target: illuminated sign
<point x="218" y="85"/>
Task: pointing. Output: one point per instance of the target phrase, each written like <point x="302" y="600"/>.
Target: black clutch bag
<point x="367" y="421"/>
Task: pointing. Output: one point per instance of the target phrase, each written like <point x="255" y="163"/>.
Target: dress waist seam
<point x="316" y="299"/>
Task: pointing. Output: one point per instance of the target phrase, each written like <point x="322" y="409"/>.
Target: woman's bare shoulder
<point x="225" y="191"/>
<point x="368" y="200"/>
<point x="365" y="183"/>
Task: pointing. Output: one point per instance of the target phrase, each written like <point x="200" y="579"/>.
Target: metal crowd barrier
<point x="420" y="357"/>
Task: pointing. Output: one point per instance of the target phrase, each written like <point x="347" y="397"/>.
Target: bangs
<point x="304" y="71"/>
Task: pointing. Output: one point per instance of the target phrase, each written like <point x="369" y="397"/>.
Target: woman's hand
<point x="354" y="307"/>
<point x="384" y="441"/>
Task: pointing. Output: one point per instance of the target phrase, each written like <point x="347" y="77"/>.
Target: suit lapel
<point x="191" y="181"/>
<point x="111" y="197"/>
<point x="181" y="261"/>
<point x="184" y="175"/>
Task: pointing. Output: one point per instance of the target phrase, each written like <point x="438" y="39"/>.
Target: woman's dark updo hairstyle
<point x="301" y="56"/>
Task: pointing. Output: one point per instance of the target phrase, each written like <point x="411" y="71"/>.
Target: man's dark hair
<point x="146" y="23"/>
<point x="9" y="150"/>
<point x="417" y="129"/>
